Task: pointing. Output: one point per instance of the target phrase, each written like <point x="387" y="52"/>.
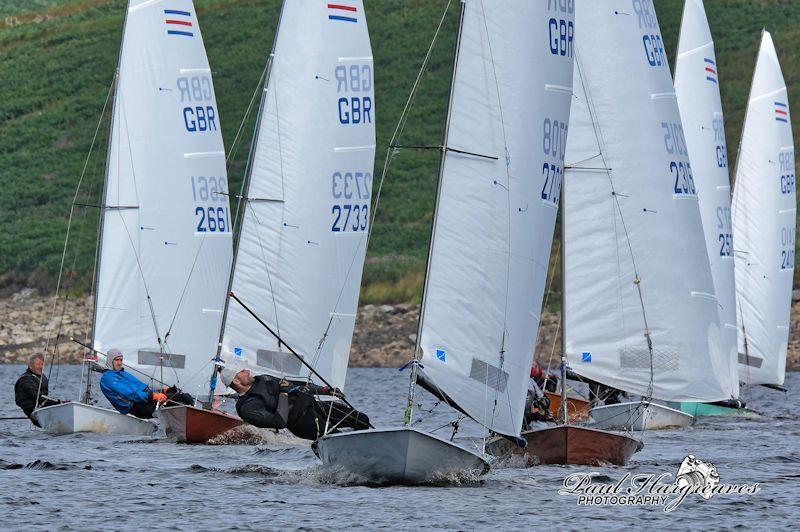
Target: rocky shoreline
<point x="384" y="334"/>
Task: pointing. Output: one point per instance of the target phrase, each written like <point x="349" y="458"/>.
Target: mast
<point x="565" y="418"/>
<point x="407" y="415"/>
<point x="243" y="202"/>
<point x="99" y="253"/>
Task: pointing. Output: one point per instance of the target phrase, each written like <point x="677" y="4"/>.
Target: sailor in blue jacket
<point x="129" y="395"/>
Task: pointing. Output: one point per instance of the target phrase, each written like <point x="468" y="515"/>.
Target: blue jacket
<point x="123" y="389"/>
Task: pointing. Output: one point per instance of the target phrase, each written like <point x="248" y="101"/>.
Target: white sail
<point x="631" y="208"/>
<point x="166" y="238"/>
<point x="497" y="203"/>
<point x="302" y="243"/>
<point x="697" y="87"/>
<point x="764" y="212"/>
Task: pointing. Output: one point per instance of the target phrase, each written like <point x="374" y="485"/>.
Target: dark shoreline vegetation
<point x="58" y="58"/>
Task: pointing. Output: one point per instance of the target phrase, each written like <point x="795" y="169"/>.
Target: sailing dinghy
<point x="641" y="313"/>
<point x="492" y="231"/>
<point x="165" y="238"/>
<point x="305" y="214"/>
<point x="764" y="218"/>
<point x="697" y="86"/>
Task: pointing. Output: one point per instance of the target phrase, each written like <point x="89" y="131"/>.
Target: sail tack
<point x="497" y="203"/>
<point x="764" y="218"/>
<point x="635" y="253"/>
<point x="302" y="244"/>
<point x="165" y="245"/>
<point x="697" y="88"/>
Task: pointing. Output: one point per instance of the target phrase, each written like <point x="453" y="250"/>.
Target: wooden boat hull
<point x="568" y="445"/>
<point x="577" y="408"/>
<point x="640" y="415"/>
<point x="68" y="418"/>
<point x="189" y="424"/>
<point x="705" y="409"/>
<point x="398" y="456"/>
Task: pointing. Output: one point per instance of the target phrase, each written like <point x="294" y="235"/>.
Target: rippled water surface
<point x="94" y="481"/>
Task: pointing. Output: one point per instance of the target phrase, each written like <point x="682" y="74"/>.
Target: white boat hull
<point x="639" y="416"/>
<point x="398" y="456"/>
<point x="68" y="418"/>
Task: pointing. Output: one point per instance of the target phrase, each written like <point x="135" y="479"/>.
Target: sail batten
<point x="764" y="221"/>
<point x="165" y="241"/>
<point x="635" y="255"/>
<point x="302" y="241"/>
<point x="495" y="212"/>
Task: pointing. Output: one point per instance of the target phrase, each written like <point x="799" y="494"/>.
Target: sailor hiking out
<point x="269" y="402"/>
<point x="129" y="395"/>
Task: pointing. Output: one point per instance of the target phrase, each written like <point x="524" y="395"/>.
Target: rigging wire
<point x="66" y="242"/>
<point x="618" y="208"/>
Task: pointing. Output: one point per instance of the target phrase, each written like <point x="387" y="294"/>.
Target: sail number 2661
<point x="212" y="213"/>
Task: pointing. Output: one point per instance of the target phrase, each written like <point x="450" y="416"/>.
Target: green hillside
<point x="57" y="58"/>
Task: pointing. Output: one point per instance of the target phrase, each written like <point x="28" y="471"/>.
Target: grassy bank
<point x="57" y="59"/>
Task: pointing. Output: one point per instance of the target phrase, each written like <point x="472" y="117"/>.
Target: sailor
<point x="129" y="395"/>
<point x="537" y="405"/>
<point x="268" y="402"/>
<point x="31" y="389"/>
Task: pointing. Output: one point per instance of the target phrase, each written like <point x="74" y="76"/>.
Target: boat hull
<point x="68" y="418"/>
<point x="189" y="424"/>
<point x="640" y="415"/>
<point x="577" y="408"/>
<point x="398" y="456"/>
<point x="568" y="445"/>
<point x="706" y="409"/>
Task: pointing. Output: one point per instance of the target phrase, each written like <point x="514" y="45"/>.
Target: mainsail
<point x="307" y="211"/>
<point x="636" y="268"/>
<point x="697" y="87"/>
<point x="496" y="207"/>
<point x="764" y="213"/>
<point x="165" y="245"/>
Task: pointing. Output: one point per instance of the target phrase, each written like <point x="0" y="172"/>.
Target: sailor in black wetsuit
<point x="31" y="389"/>
<point x="267" y="402"/>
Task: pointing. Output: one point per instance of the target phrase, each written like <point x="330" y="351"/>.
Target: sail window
<point x="154" y="358"/>
<point x="664" y="358"/>
<point x="279" y="361"/>
<point x="489" y="375"/>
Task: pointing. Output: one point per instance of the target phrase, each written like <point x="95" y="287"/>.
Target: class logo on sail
<point x="179" y="22"/>
<point x="342" y="13"/>
<point x="711" y="69"/>
<point x="781" y="112"/>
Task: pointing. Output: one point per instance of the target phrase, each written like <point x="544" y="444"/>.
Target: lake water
<point x="274" y="481"/>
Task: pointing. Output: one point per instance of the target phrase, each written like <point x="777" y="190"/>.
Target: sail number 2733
<point x="350" y="192"/>
<point x="554" y="144"/>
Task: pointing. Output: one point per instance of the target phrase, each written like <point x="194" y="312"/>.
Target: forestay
<point x="697" y="88"/>
<point x="631" y="208"/>
<point x="305" y="223"/>
<point x="497" y="204"/>
<point x="165" y="245"/>
<point x="764" y="212"/>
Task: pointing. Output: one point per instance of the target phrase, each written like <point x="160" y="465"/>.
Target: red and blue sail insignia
<point x="711" y="69"/>
<point x="178" y="22"/>
<point x="342" y="13"/>
<point x="781" y="112"/>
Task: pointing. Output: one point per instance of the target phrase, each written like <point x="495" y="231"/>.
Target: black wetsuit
<point x="147" y="410"/>
<point x="268" y="405"/>
<point x="27" y="389"/>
